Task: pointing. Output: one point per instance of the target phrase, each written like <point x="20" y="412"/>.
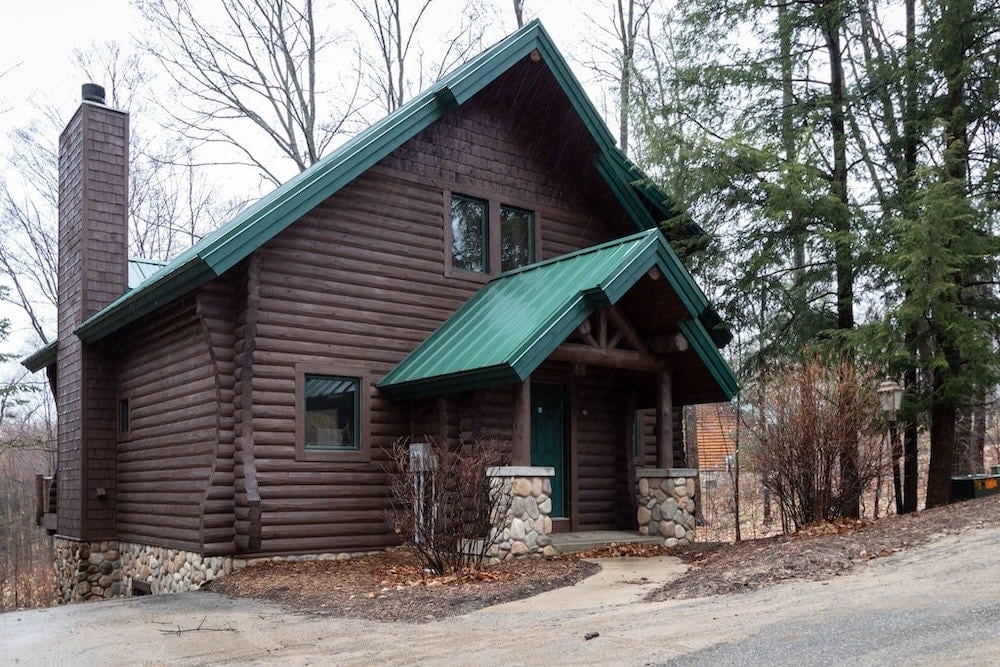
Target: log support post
<point x="521" y="450"/>
<point x="664" y="420"/>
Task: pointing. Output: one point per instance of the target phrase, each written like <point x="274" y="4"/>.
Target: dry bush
<point x="817" y="439"/>
<point x="445" y="507"/>
<point x="25" y="549"/>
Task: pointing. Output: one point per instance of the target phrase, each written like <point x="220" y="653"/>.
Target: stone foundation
<point x="87" y="570"/>
<point x="101" y="570"/>
<point x="666" y="504"/>
<point x="527" y="527"/>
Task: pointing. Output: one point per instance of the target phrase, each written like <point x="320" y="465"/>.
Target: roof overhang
<point x="42" y="358"/>
<point x="508" y="328"/>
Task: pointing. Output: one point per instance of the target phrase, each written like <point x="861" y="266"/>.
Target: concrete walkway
<point x="937" y="604"/>
<point x="620" y="581"/>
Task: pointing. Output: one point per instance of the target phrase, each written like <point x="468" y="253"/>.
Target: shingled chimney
<point x="93" y="214"/>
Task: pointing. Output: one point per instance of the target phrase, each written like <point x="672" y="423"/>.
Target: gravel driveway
<point x="938" y="603"/>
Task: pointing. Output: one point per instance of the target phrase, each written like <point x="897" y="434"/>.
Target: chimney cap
<point x="93" y="92"/>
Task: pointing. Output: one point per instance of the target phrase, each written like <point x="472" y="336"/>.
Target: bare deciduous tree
<point x="400" y="62"/>
<point x="808" y="414"/>
<point x="170" y="204"/>
<point x="29" y="253"/>
<point x="614" y="59"/>
<point x="258" y="64"/>
<point x="519" y="12"/>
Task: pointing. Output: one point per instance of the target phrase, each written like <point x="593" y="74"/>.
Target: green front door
<point x="548" y="432"/>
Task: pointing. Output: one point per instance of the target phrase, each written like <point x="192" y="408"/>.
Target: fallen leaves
<point x="817" y="552"/>
<point x="391" y="586"/>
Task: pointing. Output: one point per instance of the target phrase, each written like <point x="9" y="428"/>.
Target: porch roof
<point x="514" y="323"/>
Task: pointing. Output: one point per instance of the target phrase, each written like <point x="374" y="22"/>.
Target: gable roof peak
<point x="259" y="222"/>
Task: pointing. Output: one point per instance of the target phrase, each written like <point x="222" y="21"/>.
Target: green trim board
<point x="261" y="221"/>
<point x="508" y="328"/>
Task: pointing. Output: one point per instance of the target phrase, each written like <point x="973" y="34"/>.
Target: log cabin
<point x="482" y="264"/>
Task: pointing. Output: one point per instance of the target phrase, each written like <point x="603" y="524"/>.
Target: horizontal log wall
<point x="165" y="462"/>
<point x="647" y="432"/>
<point x="599" y="403"/>
<point x="217" y="312"/>
<point x="360" y="281"/>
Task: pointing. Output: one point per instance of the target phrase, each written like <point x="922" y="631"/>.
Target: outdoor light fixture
<point x="890" y="399"/>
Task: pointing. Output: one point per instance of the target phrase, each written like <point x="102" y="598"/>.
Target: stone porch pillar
<point x="666" y="504"/>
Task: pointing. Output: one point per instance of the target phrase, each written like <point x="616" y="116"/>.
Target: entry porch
<point x="574" y="368"/>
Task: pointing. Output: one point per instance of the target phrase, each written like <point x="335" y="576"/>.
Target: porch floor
<point x="583" y="540"/>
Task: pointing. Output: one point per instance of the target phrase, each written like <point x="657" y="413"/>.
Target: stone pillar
<point x="666" y="505"/>
<point x="526" y="527"/>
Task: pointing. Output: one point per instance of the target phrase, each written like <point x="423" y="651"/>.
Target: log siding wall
<point x="361" y="280"/>
<point x="167" y="460"/>
<point x="357" y="282"/>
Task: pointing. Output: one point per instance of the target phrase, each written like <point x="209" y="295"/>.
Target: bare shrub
<point x="817" y="442"/>
<point x="445" y="507"/>
<point x="25" y="549"/>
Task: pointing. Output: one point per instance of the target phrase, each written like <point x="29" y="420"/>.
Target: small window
<point x="123" y="416"/>
<point x="469" y="234"/>
<point x="332" y="413"/>
<point x="517" y="237"/>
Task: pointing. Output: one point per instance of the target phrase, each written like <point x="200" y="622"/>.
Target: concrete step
<point x="566" y="543"/>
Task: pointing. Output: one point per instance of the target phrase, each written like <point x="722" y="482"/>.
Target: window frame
<point x="123" y="399"/>
<point x="487" y="234"/>
<point x="533" y="228"/>
<point x="362" y="409"/>
<point x="494" y="242"/>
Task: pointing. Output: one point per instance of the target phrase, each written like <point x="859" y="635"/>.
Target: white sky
<point x="37" y="40"/>
<point x="36" y="44"/>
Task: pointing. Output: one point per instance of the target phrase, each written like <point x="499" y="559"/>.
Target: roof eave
<point x="42" y="358"/>
<point x="133" y="305"/>
<point x="480" y="378"/>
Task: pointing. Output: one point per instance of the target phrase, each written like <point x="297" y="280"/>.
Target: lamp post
<point x="890" y="399"/>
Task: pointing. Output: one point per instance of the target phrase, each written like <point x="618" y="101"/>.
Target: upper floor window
<point x="470" y="237"/>
<point x="517" y="237"/>
<point x="488" y="236"/>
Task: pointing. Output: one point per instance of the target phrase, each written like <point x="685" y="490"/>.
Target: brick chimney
<point x="93" y="270"/>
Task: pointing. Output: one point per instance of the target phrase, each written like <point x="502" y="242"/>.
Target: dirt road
<point x="938" y="603"/>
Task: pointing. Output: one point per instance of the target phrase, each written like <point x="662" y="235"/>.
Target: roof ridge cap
<point x="652" y="233"/>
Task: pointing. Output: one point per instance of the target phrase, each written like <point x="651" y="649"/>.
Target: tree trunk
<point x="942" y="446"/>
<point x="832" y="22"/>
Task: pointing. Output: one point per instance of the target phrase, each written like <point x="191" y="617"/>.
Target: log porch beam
<point x="626" y="329"/>
<point x="575" y="353"/>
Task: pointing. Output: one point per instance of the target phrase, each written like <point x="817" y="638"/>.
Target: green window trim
<point x="331" y="413"/>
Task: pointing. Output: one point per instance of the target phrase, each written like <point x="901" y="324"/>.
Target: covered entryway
<point x="578" y="346"/>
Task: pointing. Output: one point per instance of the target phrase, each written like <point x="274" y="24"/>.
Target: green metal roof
<point x="271" y="214"/>
<point x="140" y="270"/>
<point x="513" y="323"/>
